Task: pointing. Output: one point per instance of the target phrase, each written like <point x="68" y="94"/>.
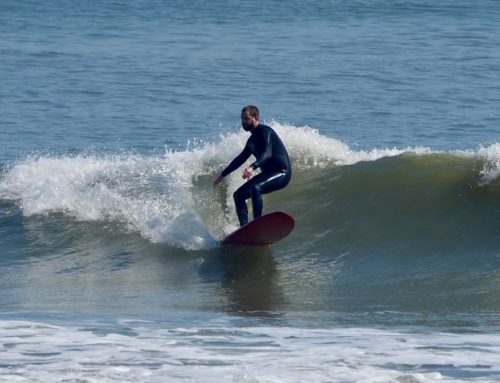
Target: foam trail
<point x="49" y="353"/>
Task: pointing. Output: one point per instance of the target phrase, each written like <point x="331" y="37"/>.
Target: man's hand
<point x="217" y="181"/>
<point x="248" y="173"/>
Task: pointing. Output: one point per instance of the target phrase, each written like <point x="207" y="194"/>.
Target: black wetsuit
<point x="276" y="170"/>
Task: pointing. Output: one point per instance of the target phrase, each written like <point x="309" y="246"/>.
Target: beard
<point x="247" y="127"/>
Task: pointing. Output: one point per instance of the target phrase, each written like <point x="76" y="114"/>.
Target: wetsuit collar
<point x="254" y="129"/>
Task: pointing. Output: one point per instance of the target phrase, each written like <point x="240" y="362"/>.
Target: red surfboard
<point x="265" y="230"/>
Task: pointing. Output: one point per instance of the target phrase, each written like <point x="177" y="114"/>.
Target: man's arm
<point x="235" y="164"/>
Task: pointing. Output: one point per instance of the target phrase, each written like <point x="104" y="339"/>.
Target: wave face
<point x="382" y="195"/>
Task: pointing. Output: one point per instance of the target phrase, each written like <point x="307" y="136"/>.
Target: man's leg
<point x="262" y="183"/>
<point x="266" y="183"/>
<point x="246" y="191"/>
<point x="240" y="200"/>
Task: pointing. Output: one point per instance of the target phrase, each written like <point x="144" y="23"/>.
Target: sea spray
<point x="491" y="168"/>
<point x="140" y="192"/>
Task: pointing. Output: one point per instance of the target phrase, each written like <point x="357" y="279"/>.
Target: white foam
<point x="37" y="352"/>
<point x="491" y="169"/>
<point x="490" y="156"/>
<point x="309" y="148"/>
<point x="147" y="194"/>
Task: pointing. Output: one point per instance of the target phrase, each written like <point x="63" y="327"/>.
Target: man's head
<point x="250" y="117"/>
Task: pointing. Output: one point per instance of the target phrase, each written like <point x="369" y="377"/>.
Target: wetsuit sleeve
<point x="267" y="154"/>
<point x="238" y="161"/>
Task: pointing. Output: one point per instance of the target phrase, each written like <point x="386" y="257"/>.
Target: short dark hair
<point x="252" y="110"/>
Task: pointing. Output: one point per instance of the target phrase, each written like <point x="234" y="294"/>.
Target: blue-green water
<point x="115" y="117"/>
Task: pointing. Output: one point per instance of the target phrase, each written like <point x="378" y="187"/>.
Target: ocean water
<point x="116" y="116"/>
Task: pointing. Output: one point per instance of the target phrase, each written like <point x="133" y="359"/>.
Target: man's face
<point x="248" y="122"/>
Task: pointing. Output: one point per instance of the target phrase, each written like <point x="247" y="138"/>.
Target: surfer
<point x="271" y="158"/>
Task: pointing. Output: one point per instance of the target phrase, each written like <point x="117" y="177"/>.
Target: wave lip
<point x="310" y="149"/>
